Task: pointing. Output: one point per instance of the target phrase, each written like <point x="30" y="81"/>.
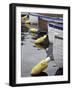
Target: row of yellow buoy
<point x="27" y="22"/>
<point x="43" y="64"/>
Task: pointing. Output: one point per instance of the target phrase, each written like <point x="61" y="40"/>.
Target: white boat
<point x="58" y="50"/>
<point x="54" y="29"/>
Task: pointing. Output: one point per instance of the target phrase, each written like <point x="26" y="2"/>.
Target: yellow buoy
<point x="33" y="30"/>
<point x="40" y="40"/>
<point x="27" y="22"/>
<point x="24" y="17"/>
<point x="40" y="66"/>
<point x="28" y="25"/>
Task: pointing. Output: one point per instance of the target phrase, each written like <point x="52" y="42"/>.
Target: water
<point x="31" y="54"/>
